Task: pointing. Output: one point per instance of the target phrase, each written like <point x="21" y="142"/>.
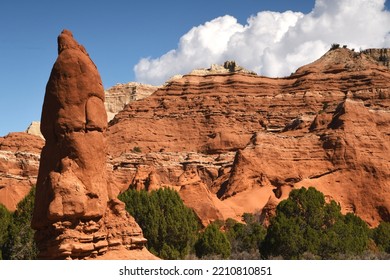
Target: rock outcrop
<point x="35" y="129"/>
<point x="118" y="96"/>
<point x="280" y="130"/>
<point x="75" y="215"/>
<point x="189" y="173"/>
<point x="232" y="142"/>
<point x="344" y="158"/>
<point x="19" y="162"/>
<point x="221" y="112"/>
<point x="229" y="66"/>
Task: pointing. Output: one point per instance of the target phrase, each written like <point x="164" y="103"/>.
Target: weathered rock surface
<point x="35" y="129"/>
<point x="274" y="126"/>
<point x="118" y="96"/>
<point x="345" y="158"/>
<point x="19" y="161"/>
<point x="191" y="174"/>
<point x="221" y="112"/>
<point x="75" y="215"/>
<point x="233" y="142"/>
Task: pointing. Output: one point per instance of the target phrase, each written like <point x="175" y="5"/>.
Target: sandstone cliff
<point x="118" y="96"/>
<point x="19" y="161"/>
<point x="232" y="142"/>
<point x="281" y="129"/>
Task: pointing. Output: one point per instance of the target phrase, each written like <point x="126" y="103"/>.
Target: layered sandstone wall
<point x="234" y="142"/>
<point x="273" y="126"/>
<point x="118" y="96"/>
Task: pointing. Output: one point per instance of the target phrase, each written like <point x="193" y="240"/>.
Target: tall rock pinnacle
<point x="74" y="215"/>
<point x="73" y="123"/>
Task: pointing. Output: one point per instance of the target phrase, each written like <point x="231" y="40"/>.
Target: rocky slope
<point x="232" y="142"/>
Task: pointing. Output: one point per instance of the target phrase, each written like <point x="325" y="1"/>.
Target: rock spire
<point x="75" y="216"/>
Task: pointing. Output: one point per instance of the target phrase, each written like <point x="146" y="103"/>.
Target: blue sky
<point x="119" y="34"/>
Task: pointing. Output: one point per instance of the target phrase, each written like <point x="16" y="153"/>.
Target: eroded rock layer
<point x="232" y="142"/>
<point x="75" y="214"/>
<point x="221" y="112"/>
<point x="19" y="162"/>
<point x="284" y="131"/>
<point x="118" y="96"/>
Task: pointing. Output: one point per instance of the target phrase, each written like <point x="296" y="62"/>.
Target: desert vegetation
<point x="170" y="227"/>
<point x="16" y="235"/>
<point x="305" y="227"/>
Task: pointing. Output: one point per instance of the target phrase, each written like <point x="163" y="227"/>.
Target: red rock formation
<point x="19" y="161"/>
<point x="234" y="142"/>
<point x="221" y="112"/>
<point x="279" y="126"/>
<point x="344" y="158"/>
<point x="75" y="215"/>
<point x="118" y="96"/>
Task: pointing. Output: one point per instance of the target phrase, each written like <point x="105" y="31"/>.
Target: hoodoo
<point x="75" y="215"/>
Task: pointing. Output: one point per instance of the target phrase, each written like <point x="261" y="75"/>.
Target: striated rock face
<point x="286" y="133"/>
<point x="75" y="214"/>
<point x="221" y="112"/>
<point x="344" y="157"/>
<point x="232" y="142"/>
<point x="19" y="161"/>
<point x="118" y="96"/>
<point x="191" y="174"/>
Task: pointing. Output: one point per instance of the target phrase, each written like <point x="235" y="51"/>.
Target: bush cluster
<point x="170" y="227"/>
<point x="305" y="223"/>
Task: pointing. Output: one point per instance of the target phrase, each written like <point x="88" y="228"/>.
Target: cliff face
<point x="216" y="113"/>
<point x="232" y="142"/>
<point x="324" y="126"/>
<point x="118" y="96"/>
<point x="19" y="162"/>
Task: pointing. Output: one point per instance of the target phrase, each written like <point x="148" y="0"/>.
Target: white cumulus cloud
<point x="273" y="43"/>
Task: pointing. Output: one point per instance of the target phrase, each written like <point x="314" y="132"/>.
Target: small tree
<point x="381" y="236"/>
<point x="245" y="237"/>
<point x="5" y="220"/>
<point x="213" y="242"/>
<point x="170" y="227"/>
<point x="20" y="244"/>
<point x="335" y="46"/>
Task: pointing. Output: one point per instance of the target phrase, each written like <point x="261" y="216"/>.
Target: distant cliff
<point x="121" y="94"/>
